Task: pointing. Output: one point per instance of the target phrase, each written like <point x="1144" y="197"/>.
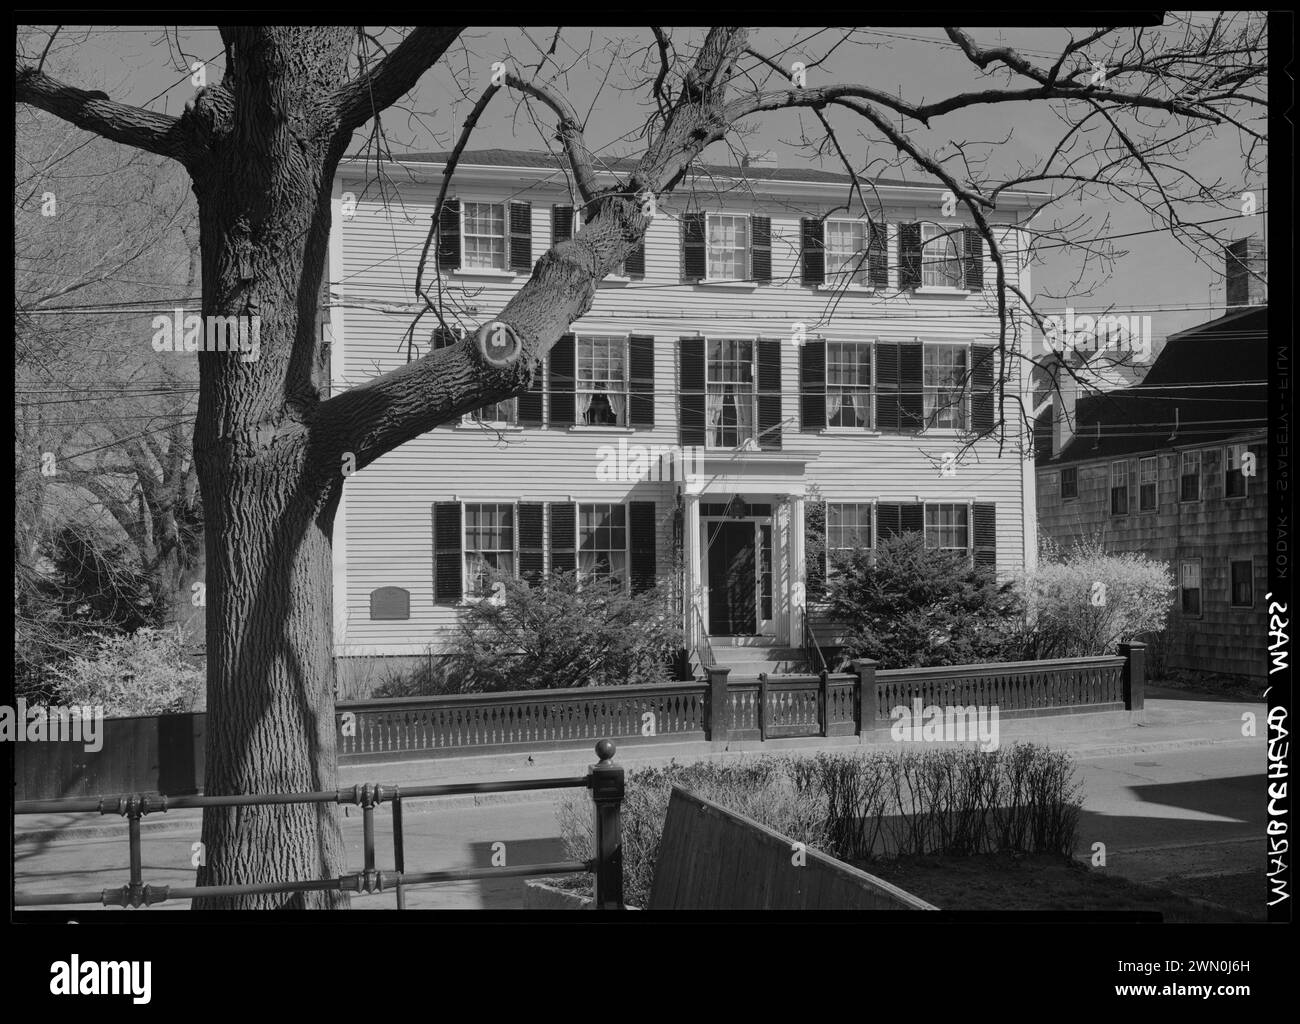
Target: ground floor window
<point x="1243" y="583"/>
<point x="947" y="527"/>
<point x="489" y="545"/>
<point x="1190" y="576"/>
<point x="602" y="542"/>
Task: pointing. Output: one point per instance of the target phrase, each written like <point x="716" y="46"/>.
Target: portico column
<point x="797" y="592"/>
<point x="691" y="568"/>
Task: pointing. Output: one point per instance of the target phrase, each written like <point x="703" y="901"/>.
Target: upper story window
<point x="1069" y="482"/>
<point x="945" y="390"/>
<point x="846" y="252"/>
<point x="941" y="257"/>
<point x="602" y="380"/>
<point x="1234" y="479"/>
<point x="1189" y="479"/>
<point x="1148" y="481"/>
<point x="728" y="247"/>
<point x="1119" y="488"/>
<point x="503" y="413"/>
<point x="731" y="394"/>
<point x="489" y="545"/>
<point x="848" y="384"/>
<point x="483" y="235"/>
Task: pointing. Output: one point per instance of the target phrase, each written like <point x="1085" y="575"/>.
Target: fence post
<point x="866" y="670"/>
<point x="824" y="702"/>
<point x="606" y="781"/>
<point x="762" y="707"/>
<point x="1135" y="674"/>
<point x="719" y="713"/>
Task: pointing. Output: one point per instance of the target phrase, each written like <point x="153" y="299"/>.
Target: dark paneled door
<point x="732" y="581"/>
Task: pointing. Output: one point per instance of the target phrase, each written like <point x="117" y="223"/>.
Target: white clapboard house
<point x="766" y="371"/>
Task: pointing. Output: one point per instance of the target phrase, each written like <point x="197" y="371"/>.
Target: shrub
<point x="857" y="807"/>
<point x="562" y="633"/>
<point x="140" y="673"/>
<point x="1085" y="602"/>
<point x="908" y="606"/>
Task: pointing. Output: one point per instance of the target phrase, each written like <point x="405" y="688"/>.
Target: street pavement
<point x="1177" y="802"/>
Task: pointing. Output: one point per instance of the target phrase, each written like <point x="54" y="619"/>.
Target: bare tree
<point x="262" y="147"/>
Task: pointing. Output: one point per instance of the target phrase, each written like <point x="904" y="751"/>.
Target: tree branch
<point x="393" y="77"/>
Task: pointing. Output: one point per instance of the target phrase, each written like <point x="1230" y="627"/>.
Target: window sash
<point x="731" y="386"/>
<point x="1069" y="483"/>
<point x="846" y="250"/>
<point x="602" y="541"/>
<point x="505" y="412"/>
<point x="947" y="527"/>
<point x="489" y="544"/>
<point x="483" y="236"/>
<point x="942" y="265"/>
<point x="1149" y="479"/>
<point x="602" y="389"/>
<point x="727" y="245"/>
<point x="848" y="526"/>
<point x="1242" y="580"/>
<point x="1190" y="585"/>
<point x="1234" y="481"/>
<point x="944" y="382"/>
<point x="1189" y="480"/>
<point x="848" y="384"/>
<point x="1119" y="488"/>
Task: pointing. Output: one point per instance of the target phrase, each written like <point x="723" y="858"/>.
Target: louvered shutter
<point x="564" y="537"/>
<point x="973" y="257"/>
<point x="690" y="414"/>
<point x="521" y="236"/>
<point x="769" y="394"/>
<point x="877" y="255"/>
<point x="562" y="382"/>
<point x="813" y="251"/>
<point x="889" y="409"/>
<point x="641" y="380"/>
<point x="448" y="587"/>
<point x="985" y="539"/>
<point x="909" y="256"/>
<point x="641" y="538"/>
<point x="983" y="387"/>
<point x="911" y="385"/>
<point x="761" y="249"/>
<point x="531" y="547"/>
<point x="812" y="385"/>
<point x="561" y="224"/>
<point x="449" y="235"/>
<point x="694" y="262"/>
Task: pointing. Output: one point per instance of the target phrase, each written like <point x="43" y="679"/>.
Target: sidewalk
<point x="1175" y="720"/>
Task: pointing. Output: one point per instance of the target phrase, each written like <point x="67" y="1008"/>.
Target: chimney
<point x="1064" y="413"/>
<point x="1246" y="265"/>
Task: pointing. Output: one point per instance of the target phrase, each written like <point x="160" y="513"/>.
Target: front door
<point x="732" y="579"/>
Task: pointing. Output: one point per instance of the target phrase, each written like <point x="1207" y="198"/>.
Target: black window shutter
<point x="641" y="367"/>
<point x="769" y="394"/>
<point x="888" y="410"/>
<point x="889" y="520"/>
<point x="533" y="401"/>
<point x="641" y="535"/>
<point x="985" y="532"/>
<point x="911" y="386"/>
<point x="911" y="517"/>
<point x="634" y="265"/>
<point x="564" y="537"/>
<point x="813" y="250"/>
<point x="390" y="603"/>
<point x="521" y="236"/>
<point x="690" y="413"/>
<point x="909" y="256"/>
<point x="877" y="255"/>
<point x="812" y="385"/>
<point x="447" y="586"/>
<point x="761" y="249"/>
<point x="974" y="259"/>
<point x="531" y="558"/>
<point x="983" y="387"/>
<point x="814" y="550"/>
<point x="449" y="235"/>
<point x="694" y="264"/>
<point x="561" y="224"/>
<point x="443" y="337"/>
<point x="562" y="398"/>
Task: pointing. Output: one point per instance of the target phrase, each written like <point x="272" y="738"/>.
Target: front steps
<point x="747" y="656"/>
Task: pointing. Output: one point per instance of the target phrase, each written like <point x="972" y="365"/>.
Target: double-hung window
<point x="947" y="527"/>
<point x="728" y="241"/>
<point x="731" y="395"/>
<point x="941" y="257"/>
<point x="1189" y="480"/>
<point x="1190" y="586"/>
<point x="489" y="546"/>
<point x="1119" y="488"/>
<point x="602" y="542"/>
<point x="1148" y="482"/>
<point x="846" y="252"/>
<point x="848" y="529"/>
<point x="848" y="384"/>
<point x="1069" y="483"/>
<point x="945" y="386"/>
<point x="602" y="380"/>
<point x="483" y="236"/>
<point x="1234" y="479"/>
<point x="1242" y="578"/>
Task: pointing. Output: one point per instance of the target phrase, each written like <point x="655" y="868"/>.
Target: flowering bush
<point x="140" y="673"/>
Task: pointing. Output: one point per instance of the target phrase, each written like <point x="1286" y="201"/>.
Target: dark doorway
<point x="731" y="579"/>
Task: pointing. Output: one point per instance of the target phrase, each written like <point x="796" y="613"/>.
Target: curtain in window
<point x="834" y="402"/>
<point x="862" y="407"/>
<point x="583" y="405"/>
<point x="619" y="404"/>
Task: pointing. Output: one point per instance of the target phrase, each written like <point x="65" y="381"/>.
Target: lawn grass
<point x="1004" y="881"/>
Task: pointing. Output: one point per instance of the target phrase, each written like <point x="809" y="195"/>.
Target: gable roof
<point x="1208" y="385"/>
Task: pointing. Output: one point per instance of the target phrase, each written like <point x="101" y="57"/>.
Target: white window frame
<point x="578" y="389"/>
<point x="467" y="590"/>
<point x="860" y="279"/>
<point x="870" y="389"/>
<point x="748" y="268"/>
<point x="626" y="550"/>
<point x="709" y="442"/>
<point x="1069" y="497"/>
<point x="1110" y="492"/>
<point x="1183" y="563"/>
<point x="931" y="275"/>
<point x="1232" y="597"/>
<point x="1142" y="483"/>
<point x="1200" y="476"/>
<point x="870" y="506"/>
<point x="1228" y="471"/>
<point x="465" y="265"/>
<point x="963" y="406"/>
<point x="969" y="527"/>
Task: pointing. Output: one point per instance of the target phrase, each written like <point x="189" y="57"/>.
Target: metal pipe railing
<point x="604" y="779"/>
